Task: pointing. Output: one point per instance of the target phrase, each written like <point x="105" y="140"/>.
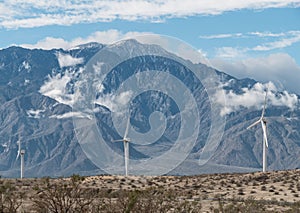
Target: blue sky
<point x="250" y="38"/>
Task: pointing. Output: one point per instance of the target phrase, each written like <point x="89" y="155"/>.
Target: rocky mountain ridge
<point x="35" y="86"/>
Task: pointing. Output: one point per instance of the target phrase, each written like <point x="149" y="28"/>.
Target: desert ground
<point x="277" y="191"/>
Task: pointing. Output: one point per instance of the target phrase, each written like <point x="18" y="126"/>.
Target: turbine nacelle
<point x="126" y="139"/>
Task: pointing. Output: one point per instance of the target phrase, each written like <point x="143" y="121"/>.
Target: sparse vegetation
<point x="255" y="192"/>
<point x="10" y="199"/>
<point x="61" y="196"/>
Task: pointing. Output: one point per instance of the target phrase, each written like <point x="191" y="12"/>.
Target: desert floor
<point x="276" y="191"/>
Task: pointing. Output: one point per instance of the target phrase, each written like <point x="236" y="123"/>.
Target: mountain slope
<point x="37" y="89"/>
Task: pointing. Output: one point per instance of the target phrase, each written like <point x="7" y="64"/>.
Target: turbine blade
<point x="18" y="155"/>
<point x="265" y="103"/>
<point x="120" y="140"/>
<point x="19" y="149"/>
<point x="255" y="123"/>
<point x="127" y="127"/>
<point x="264" y="127"/>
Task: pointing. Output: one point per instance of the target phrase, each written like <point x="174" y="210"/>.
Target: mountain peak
<point x="89" y="45"/>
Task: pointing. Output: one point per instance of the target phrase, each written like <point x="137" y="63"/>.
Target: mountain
<point x="38" y="89"/>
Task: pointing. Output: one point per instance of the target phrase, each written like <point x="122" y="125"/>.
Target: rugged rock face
<point x="36" y="85"/>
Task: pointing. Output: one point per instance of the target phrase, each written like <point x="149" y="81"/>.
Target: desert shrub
<point x="295" y="208"/>
<point x="150" y="200"/>
<point x="263" y="188"/>
<point x="238" y="184"/>
<point x="249" y="205"/>
<point x="10" y="199"/>
<point x="241" y="192"/>
<point x="62" y="196"/>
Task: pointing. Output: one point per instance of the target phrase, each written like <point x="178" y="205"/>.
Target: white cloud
<point x="41" y="13"/>
<point x="254" y="98"/>
<point x="49" y="43"/>
<point x="230" y="52"/>
<point x="111" y="36"/>
<point x="115" y="102"/>
<point x="104" y="37"/>
<point x="279" y="68"/>
<point x="66" y="60"/>
<point x="5" y="11"/>
<point x="56" y="88"/>
<point x="71" y="115"/>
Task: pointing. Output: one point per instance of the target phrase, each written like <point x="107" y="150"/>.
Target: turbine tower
<point x="22" y="153"/>
<point x="263" y="122"/>
<point x="22" y="163"/>
<point x="125" y="141"/>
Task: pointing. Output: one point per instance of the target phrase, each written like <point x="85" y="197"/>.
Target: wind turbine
<point x="263" y="122"/>
<point x="22" y="153"/>
<point x="125" y="141"/>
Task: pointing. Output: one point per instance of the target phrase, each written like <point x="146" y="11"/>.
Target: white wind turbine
<point x="22" y="153"/>
<point x="125" y="141"/>
<point x="263" y="122"/>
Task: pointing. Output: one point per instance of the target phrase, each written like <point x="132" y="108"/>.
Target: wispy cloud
<point x="279" y="40"/>
<point x="266" y="34"/>
<point x="219" y="36"/>
<point x="287" y="40"/>
<point x="71" y="115"/>
<point x="247" y="35"/>
<point x="31" y="13"/>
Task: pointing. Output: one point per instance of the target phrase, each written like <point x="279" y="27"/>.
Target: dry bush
<point x="10" y="199"/>
<point x="248" y="205"/>
<point x="62" y="196"/>
<point x="152" y="200"/>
